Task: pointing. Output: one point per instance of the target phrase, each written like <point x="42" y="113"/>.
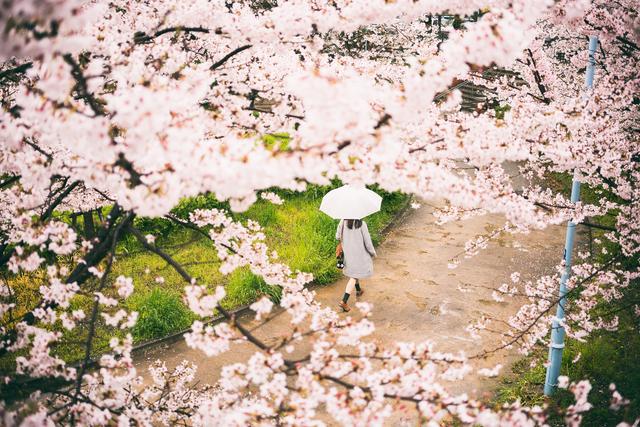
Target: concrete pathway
<point x="415" y="296"/>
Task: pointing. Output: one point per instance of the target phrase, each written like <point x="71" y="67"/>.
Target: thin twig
<point x="558" y="300"/>
<point x="229" y="55"/>
<point x="141" y="37"/>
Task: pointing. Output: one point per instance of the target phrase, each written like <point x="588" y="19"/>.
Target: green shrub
<point x="276" y="141"/>
<point x="202" y="201"/>
<point x="159" y="227"/>
<point x="159" y="313"/>
<point x="244" y="287"/>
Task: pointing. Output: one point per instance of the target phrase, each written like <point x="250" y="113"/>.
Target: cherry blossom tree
<point x="136" y="105"/>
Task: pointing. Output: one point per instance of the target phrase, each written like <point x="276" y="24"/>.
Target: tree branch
<point x="81" y="86"/>
<point x="413" y="150"/>
<point x="20" y="69"/>
<point x="47" y="213"/>
<point x="598" y="226"/>
<point x="9" y="181"/>
<point x="558" y="300"/>
<point x="229" y="56"/>
<point x="187" y="278"/>
<point x="140" y="37"/>
<point x="95" y="310"/>
<point x="538" y="79"/>
<point x="37" y="148"/>
<point x="81" y="272"/>
<point x="124" y="163"/>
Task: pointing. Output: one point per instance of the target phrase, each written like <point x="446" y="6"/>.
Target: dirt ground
<point x="415" y="295"/>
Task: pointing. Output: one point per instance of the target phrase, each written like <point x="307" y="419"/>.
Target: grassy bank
<point x="605" y="357"/>
<point x="303" y="237"/>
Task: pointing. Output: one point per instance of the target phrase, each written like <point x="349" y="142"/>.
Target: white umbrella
<point x="350" y="202"/>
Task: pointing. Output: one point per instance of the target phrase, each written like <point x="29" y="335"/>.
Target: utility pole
<point x="557" y="330"/>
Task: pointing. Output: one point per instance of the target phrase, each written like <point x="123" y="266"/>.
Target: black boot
<point x="359" y="291"/>
<point x="343" y="304"/>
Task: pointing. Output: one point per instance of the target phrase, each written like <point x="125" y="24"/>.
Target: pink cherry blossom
<point x="129" y="107"/>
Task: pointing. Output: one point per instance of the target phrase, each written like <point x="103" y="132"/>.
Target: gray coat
<point x="358" y="250"/>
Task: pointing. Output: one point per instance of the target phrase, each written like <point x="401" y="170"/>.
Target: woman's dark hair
<point x="354" y="223"/>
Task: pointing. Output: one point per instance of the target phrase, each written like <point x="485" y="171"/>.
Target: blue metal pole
<point x="557" y="331"/>
<point x="591" y="65"/>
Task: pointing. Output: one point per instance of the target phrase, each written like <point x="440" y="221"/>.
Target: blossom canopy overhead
<point x="127" y="108"/>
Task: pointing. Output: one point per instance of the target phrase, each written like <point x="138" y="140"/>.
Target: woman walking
<point x="358" y="253"/>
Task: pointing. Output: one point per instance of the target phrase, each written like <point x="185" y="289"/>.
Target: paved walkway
<point x="415" y="296"/>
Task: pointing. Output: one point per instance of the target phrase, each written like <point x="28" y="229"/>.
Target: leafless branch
<point x="141" y="37"/>
<point x="10" y="73"/>
<point x="229" y="55"/>
<point x="59" y="199"/>
<point x="538" y="78"/>
<point x="81" y="87"/>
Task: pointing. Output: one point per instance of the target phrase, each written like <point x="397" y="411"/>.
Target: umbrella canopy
<point x="350" y="202"/>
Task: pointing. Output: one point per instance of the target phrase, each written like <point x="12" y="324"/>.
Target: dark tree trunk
<point x="89" y="227"/>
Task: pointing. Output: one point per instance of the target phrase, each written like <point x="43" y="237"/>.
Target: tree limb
<point x="598" y="226"/>
<point x="20" y="69"/>
<point x="538" y="79"/>
<point x="140" y="37"/>
<point x="81" y="86"/>
<point x="47" y="213"/>
<point x="9" y="181"/>
<point x="229" y="55"/>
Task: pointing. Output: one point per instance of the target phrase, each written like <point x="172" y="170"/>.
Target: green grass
<point x="527" y="383"/>
<point x="606" y="356"/>
<point x="159" y="313"/>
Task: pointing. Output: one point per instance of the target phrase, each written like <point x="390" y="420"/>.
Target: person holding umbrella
<point x="350" y="204"/>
